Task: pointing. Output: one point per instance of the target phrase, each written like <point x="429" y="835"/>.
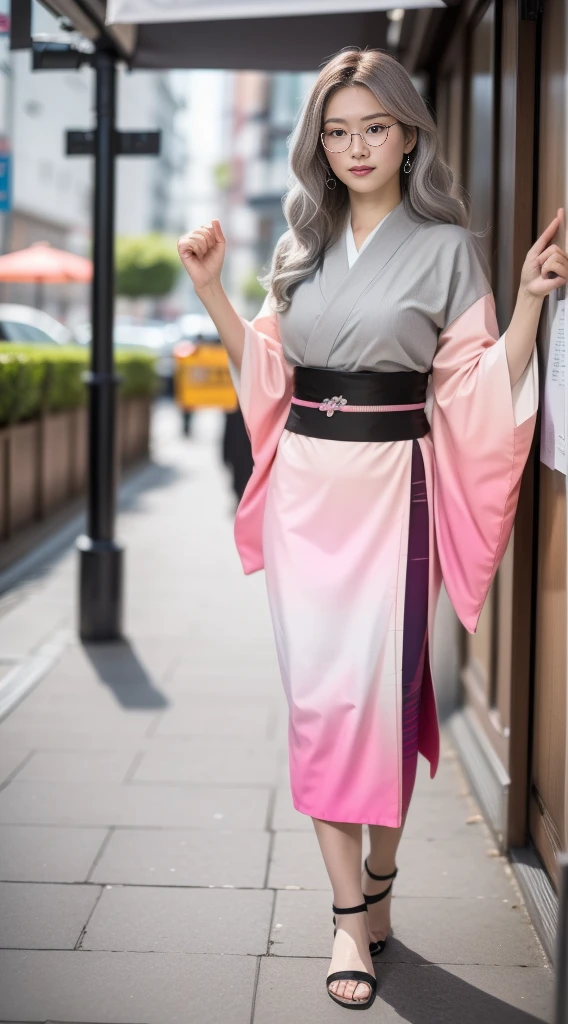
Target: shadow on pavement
<point x="152" y="476"/>
<point x="119" y="668"/>
<point x="433" y="995"/>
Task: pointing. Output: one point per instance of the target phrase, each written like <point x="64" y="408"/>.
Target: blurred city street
<point x="153" y="869"/>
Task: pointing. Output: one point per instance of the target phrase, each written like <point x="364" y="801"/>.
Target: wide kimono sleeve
<point x="264" y="387"/>
<point x="482" y="430"/>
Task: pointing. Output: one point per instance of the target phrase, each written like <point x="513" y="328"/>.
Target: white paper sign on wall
<point x="554" y="414"/>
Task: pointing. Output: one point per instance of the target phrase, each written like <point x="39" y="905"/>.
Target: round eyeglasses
<point x="375" y="135"/>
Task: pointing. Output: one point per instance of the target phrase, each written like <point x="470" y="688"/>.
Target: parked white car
<point x="32" y="326"/>
<point x="195" y="325"/>
<point x="156" y="336"/>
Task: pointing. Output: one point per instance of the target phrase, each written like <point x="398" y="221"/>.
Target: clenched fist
<point x="202" y="252"/>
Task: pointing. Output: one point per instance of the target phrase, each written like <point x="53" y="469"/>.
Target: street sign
<point x="202" y="378"/>
<point x="5" y="182"/>
<point x="82" y="143"/>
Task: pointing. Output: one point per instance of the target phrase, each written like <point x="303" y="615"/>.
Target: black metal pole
<point x="561" y="965"/>
<point x="100" y="556"/>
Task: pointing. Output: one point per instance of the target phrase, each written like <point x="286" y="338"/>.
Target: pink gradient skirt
<point x="346" y="556"/>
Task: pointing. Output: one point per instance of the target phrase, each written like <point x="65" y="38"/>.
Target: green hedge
<point x="36" y="379"/>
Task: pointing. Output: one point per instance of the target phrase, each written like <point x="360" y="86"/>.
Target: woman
<point x="390" y="425"/>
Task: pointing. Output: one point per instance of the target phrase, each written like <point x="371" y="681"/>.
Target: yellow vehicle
<point x="202" y="379"/>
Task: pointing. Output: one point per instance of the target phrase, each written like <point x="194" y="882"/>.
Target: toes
<point x="351" y="990"/>
<point x="362" y="991"/>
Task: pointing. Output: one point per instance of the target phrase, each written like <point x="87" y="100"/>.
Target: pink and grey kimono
<point x="356" y="536"/>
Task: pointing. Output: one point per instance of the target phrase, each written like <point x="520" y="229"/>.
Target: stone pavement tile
<point x="296" y="861"/>
<point x="209" y="684"/>
<point x="528" y="993"/>
<point x="91" y="668"/>
<point x="196" y="857"/>
<point x="227" y="695"/>
<point x="453" y="867"/>
<point x="285" y="817"/>
<point x="126" y="988"/>
<point x="441" y="931"/>
<point x="161" y="920"/>
<point x="128" y="701"/>
<point x="11" y="760"/>
<point x="240" y="677"/>
<point x="156" y="621"/>
<point x="106" y="804"/>
<point x="445" y="867"/>
<point x="44" y="916"/>
<point x="216" y="761"/>
<point x="439" y="815"/>
<point x="257" y="645"/>
<point x="78" y="719"/>
<point x="295" y="990"/>
<point x="48" y="854"/>
<point x="81" y="766"/>
<point x="61" y="738"/>
<point x="30" y="623"/>
<point x="449" y="777"/>
<point x="118" y="660"/>
<point x="216" y="719"/>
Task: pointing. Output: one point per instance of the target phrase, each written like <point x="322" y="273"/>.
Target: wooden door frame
<point x="515" y="193"/>
<point x="504" y="795"/>
<point x="501" y="763"/>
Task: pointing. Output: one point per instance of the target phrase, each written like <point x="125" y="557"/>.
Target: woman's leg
<point x="341" y="847"/>
<point x="382" y="861"/>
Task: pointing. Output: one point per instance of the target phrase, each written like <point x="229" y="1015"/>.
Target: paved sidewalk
<point x="152" y="867"/>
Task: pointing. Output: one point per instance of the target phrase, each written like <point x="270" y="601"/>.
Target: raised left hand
<point x="543" y="260"/>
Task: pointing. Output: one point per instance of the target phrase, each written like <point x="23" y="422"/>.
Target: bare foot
<point x="379" y="913"/>
<point x="351" y="953"/>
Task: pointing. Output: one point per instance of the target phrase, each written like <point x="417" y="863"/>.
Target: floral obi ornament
<point x="331" y="405"/>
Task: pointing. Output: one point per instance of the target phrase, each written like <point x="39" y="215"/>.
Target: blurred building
<point x="52" y="193"/>
<point x="263" y="112"/>
<point x="151" y="190"/>
<point x="209" y="153"/>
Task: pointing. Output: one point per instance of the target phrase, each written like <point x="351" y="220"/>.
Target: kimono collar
<point x="342" y="286"/>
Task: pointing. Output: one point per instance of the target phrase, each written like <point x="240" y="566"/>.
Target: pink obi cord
<point x="339" y="404"/>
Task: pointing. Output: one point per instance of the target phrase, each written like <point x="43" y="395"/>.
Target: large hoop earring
<point x="408" y="169"/>
<point x="331" y="180"/>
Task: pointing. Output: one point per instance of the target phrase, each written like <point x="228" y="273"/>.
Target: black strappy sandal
<point x="373" y="946"/>
<point x="377" y="947"/>
<point x="368" y="979"/>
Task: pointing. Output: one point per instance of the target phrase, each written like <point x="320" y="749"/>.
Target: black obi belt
<point x="360" y="405"/>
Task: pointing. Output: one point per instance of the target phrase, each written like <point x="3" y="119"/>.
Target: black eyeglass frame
<point x="371" y="144"/>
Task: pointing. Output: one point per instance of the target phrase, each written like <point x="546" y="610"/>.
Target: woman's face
<point x="356" y="109"/>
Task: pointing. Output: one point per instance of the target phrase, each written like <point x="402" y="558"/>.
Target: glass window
<point x="13" y="331"/>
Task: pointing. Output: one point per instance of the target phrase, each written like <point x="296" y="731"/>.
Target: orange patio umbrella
<point x="41" y="264"/>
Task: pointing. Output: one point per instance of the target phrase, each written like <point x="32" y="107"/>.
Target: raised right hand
<point x="202" y="252"/>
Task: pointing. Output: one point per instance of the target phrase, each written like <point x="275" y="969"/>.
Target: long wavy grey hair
<point x="315" y="214"/>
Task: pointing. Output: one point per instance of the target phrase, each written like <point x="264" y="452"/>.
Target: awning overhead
<point x="138" y="11"/>
<point x="263" y="35"/>
<point x="263" y="44"/>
